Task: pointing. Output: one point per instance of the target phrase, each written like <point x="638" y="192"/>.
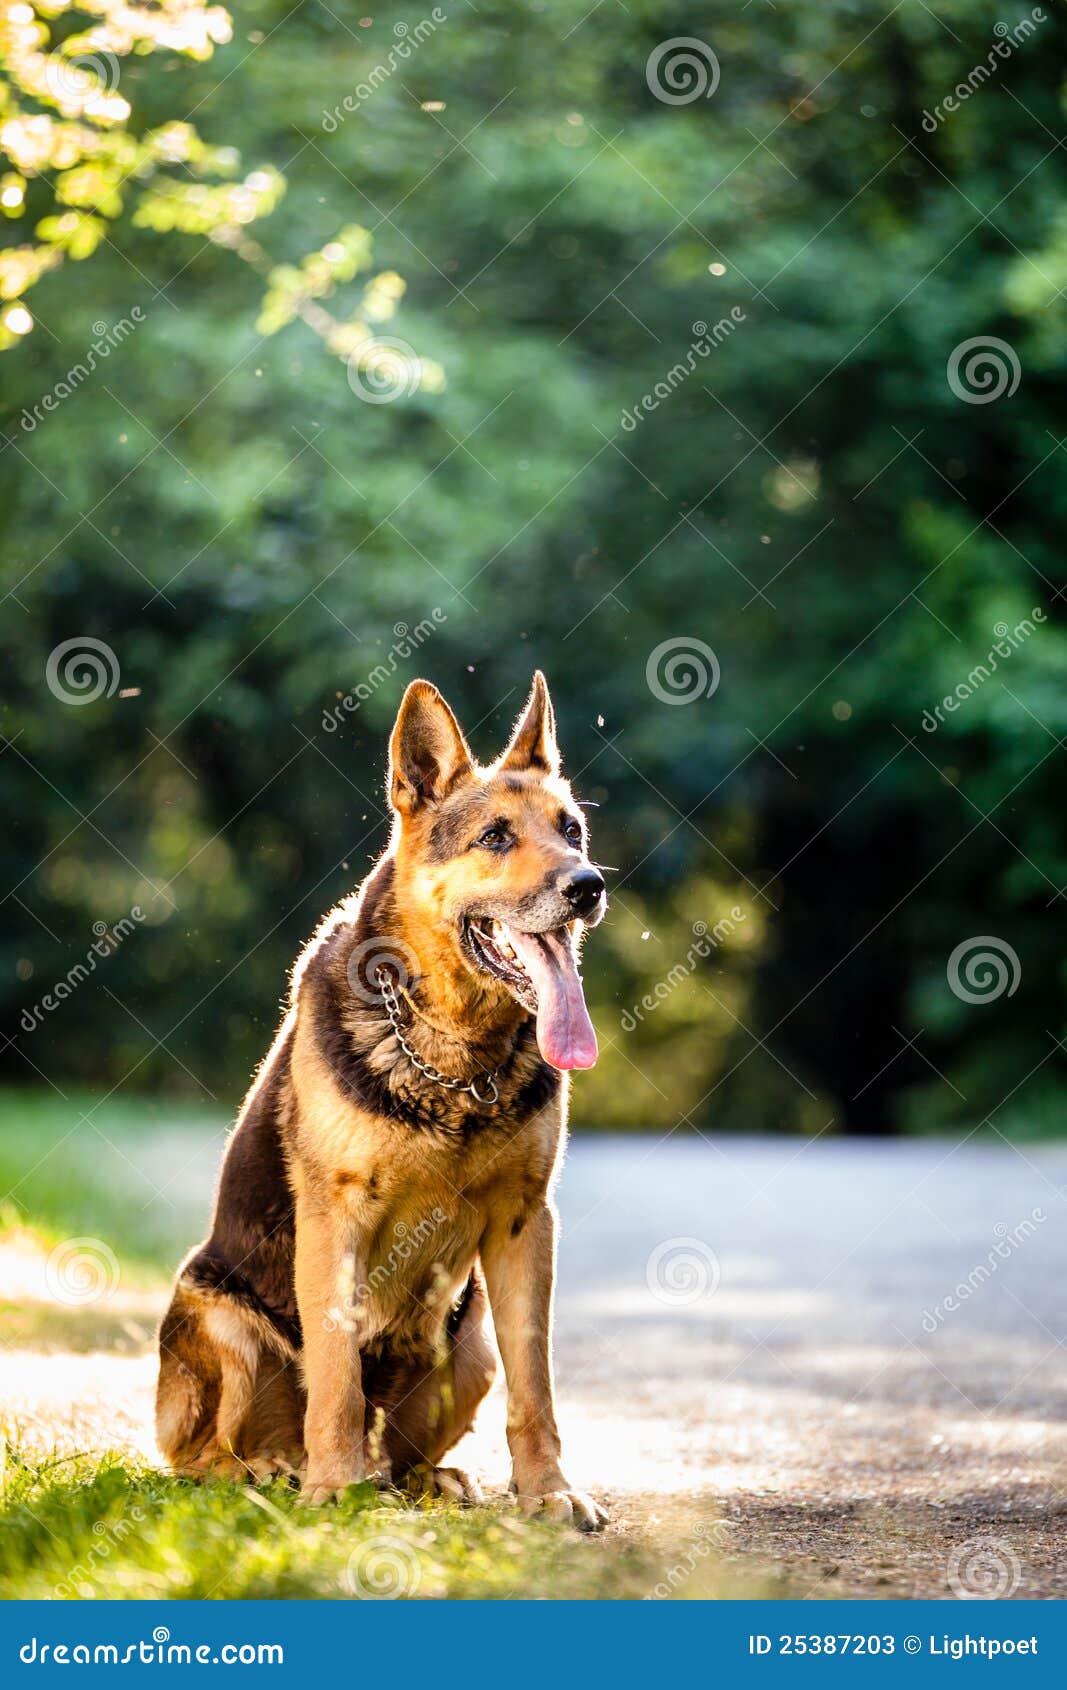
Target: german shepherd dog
<point x="394" y="1159"/>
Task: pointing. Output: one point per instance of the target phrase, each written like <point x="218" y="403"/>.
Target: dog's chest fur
<point x="420" y="1201"/>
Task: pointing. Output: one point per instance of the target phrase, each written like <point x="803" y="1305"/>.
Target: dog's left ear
<point x="533" y="743"/>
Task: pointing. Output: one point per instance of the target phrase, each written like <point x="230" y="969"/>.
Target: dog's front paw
<point x="571" y="1507"/>
<point x="317" y="1496"/>
<point x="320" y="1488"/>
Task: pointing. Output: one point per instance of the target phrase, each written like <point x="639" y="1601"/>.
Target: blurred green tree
<point x="704" y="385"/>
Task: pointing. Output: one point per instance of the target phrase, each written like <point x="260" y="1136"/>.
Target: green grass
<point x="78" y="1528"/>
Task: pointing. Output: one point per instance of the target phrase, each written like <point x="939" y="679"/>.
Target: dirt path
<point x="812" y="1382"/>
<point x="843" y="1363"/>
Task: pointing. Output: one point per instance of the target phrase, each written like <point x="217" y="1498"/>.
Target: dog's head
<point x="496" y="858"/>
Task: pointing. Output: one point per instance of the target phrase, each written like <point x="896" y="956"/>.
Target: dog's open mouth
<point x="540" y="970"/>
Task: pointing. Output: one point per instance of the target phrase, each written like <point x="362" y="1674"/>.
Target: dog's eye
<point x="572" y="831"/>
<point x="494" y="838"/>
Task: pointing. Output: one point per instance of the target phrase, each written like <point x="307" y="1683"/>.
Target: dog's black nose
<point x="584" y="892"/>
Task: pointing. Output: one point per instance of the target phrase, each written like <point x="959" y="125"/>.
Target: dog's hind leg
<point x="211" y="1358"/>
<point x="273" y="1437"/>
<point x="237" y="1346"/>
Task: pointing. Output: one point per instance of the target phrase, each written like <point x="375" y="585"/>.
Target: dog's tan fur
<point x="332" y="1325"/>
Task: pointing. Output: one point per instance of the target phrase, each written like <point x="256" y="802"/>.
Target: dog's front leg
<point x="327" y="1273"/>
<point x="520" y="1263"/>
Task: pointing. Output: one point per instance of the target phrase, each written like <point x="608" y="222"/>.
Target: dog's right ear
<point x="428" y="754"/>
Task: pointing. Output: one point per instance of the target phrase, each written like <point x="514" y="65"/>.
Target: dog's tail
<point x="188" y="1389"/>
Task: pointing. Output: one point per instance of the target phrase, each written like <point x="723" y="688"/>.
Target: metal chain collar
<point x="392" y="1009"/>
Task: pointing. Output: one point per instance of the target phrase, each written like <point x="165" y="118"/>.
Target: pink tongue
<point x="565" y="1033"/>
